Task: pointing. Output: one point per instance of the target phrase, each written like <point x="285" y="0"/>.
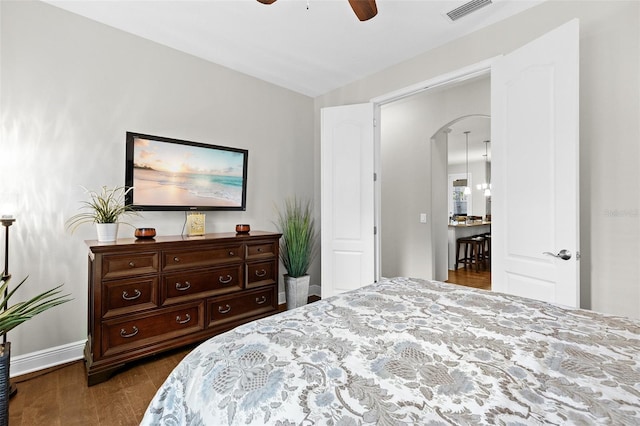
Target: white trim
<point x="454" y="121"/>
<point x="314" y="290"/>
<point x="47" y="358"/>
<point x="377" y="190"/>
<point x="459" y="75"/>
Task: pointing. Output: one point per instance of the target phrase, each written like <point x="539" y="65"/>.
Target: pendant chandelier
<point x="486" y="186"/>
<point x="467" y="188"/>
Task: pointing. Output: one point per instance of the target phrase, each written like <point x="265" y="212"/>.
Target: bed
<point x="409" y="351"/>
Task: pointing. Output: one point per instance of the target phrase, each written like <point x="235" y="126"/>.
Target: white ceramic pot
<point x="107" y="232"/>
<point x="297" y="291"/>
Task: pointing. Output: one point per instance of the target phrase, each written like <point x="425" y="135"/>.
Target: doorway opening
<point x="414" y="171"/>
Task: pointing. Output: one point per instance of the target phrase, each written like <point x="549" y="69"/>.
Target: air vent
<point x="467" y="8"/>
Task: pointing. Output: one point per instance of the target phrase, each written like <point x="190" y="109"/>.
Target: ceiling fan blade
<point x="364" y="9"/>
<point x="266" y="1"/>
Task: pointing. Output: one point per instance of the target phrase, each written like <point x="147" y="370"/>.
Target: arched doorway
<point x="449" y="161"/>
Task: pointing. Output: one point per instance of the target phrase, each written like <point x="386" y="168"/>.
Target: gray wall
<point x="71" y="88"/>
<point x="609" y="128"/>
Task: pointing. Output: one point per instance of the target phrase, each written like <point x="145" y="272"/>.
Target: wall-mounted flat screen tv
<point x="173" y="174"/>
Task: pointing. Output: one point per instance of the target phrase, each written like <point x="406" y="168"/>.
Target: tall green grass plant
<point x="298" y="245"/>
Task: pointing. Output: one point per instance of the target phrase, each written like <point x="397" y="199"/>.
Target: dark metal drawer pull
<point x="225" y="280"/>
<point x="123" y="332"/>
<point x="224" y="310"/>
<point x="261" y="300"/>
<point x="186" y="319"/>
<point x="126" y="296"/>
<point x="261" y="273"/>
<point x="132" y="264"/>
<point x="180" y="287"/>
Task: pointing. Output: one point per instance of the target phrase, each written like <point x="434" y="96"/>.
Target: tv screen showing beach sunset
<point x="180" y="174"/>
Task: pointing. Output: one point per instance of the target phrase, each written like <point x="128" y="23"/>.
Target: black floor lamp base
<point x="7" y="222"/>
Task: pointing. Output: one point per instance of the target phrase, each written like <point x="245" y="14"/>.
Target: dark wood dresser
<point x="148" y="296"/>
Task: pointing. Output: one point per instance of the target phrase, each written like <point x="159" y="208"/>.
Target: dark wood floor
<point x="60" y="396"/>
<point x="471" y="278"/>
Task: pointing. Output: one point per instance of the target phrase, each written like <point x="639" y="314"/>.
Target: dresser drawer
<point x="137" y="331"/>
<point x="225" y="309"/>
<point x="126" y="265"/>
<point x="262" y="250"/>
<point x="179" y="287"/>
<point x="261" y="273"/>
<point x="128" y="296"/>
<point x="207" y="256"/>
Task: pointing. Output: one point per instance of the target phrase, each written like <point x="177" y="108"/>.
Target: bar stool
<point x="479" y="252"/>
<point x="473" y="251"/>
<point x="487" y="249"/>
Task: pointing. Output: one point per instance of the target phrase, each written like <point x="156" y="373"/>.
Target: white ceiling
<point x="308" y="46"/>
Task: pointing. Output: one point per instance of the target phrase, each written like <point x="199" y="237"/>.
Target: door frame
<point x="477" y="69"/>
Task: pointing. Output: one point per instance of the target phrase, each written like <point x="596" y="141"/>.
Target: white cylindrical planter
<point x="107" y="232"/>
<point x="297" y="291"/>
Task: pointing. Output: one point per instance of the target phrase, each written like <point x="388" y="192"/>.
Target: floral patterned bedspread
<point x="408" y="351"/>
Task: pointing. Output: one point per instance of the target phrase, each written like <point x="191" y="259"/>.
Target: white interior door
<point x="347" y="198"/>
<point x="535" y="119"/>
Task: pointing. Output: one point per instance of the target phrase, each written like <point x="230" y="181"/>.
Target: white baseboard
<point x="47" y="358"/>
<point x="314" y="290"/>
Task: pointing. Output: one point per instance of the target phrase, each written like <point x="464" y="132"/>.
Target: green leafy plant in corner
<point x="105" y="206"/>
<point x="298" y="243"/>
<point x="14" y="315"/>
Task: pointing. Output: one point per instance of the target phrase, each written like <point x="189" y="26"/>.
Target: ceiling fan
<point x="364" y="9"/>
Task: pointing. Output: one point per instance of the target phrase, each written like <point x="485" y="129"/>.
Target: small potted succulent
<point x="104" y="209"/>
